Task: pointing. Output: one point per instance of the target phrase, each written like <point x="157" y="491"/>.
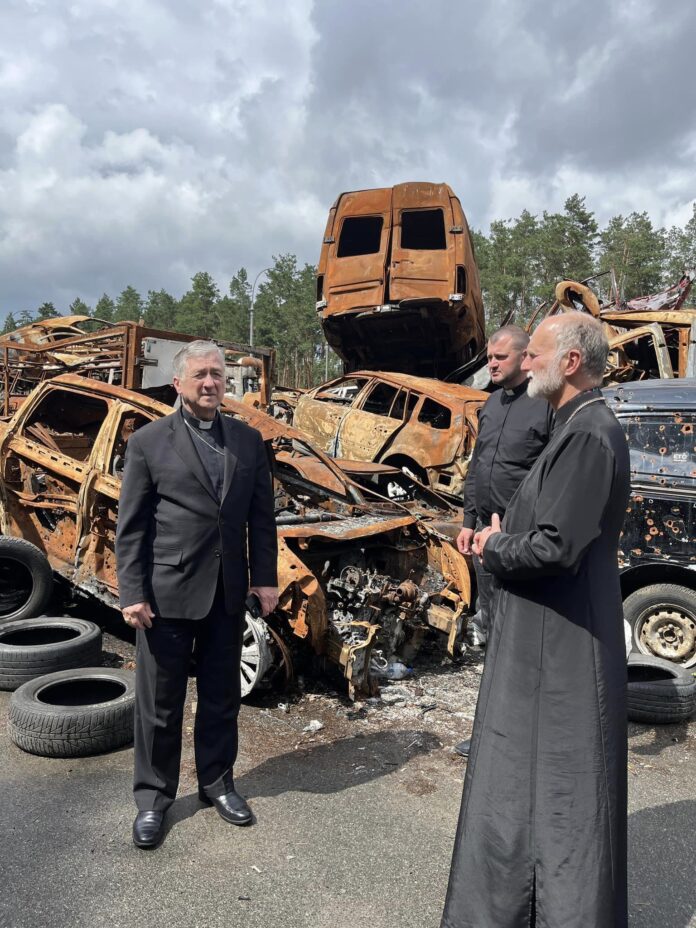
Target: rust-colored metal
<point x="123" y="353"/>
<point x="649" y="337"/>
<point x="397" y="281"/>
<point x="425" y="426"/>
<point x="357" y="573"/>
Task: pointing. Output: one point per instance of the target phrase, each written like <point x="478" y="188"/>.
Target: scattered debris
<point x="313" y="726"/>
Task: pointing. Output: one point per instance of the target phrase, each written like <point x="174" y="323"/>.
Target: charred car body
<point x="125" y="354"/>
<point x="657" y="554"/>
<point x="397" y="282"/>
<point x="361" y="579"/>
<point x="423" y="426"/>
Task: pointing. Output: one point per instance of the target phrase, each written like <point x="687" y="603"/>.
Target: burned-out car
<point x="424" y="426"/>
<point x="657" y="553"/>
<point x="397" y="281"/>
<point x="362" y="579"/>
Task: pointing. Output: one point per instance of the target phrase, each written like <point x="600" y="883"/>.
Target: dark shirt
<point x="513" y="430"/>
<point x="210" y="447"/>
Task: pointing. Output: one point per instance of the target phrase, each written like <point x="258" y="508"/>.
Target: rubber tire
<point x="36" y="562"/>
<point x="635" y="605"/>
<point x="670" y="696"/>
<point x="72" y="731"/>
<point x="21" y="663"/>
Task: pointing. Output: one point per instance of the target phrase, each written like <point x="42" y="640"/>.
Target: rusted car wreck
<point x="423" y="426"/>
<point x="126" y="354"/>
<point x="397" y="281"/>
<point x="362" y="578"/>
<point x="650" y="337"/>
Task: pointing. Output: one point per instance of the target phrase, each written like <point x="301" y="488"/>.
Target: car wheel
<point x="659" y="691"/>
<point x="74" y="713"/>
<point x="26" y="579"/>
<point x="31" y="648"/>
<point x="257" y="654"/>
<point x="663" y="622"/>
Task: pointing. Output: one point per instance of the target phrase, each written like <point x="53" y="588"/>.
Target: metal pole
<point x="263" y="270"/>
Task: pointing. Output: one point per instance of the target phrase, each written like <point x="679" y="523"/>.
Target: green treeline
<point x="520" y="261"/>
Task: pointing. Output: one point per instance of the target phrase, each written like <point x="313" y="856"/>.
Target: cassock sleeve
<point x="262" y="532"/>
<point x="567" y="515"/>
<point x="470" y="514"/>
<point x="133" y="527"/>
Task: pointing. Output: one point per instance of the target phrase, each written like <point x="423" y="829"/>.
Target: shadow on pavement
<point x="661" y="854"/>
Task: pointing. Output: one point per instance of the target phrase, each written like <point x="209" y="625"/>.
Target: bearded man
<point x="542" y="829"/>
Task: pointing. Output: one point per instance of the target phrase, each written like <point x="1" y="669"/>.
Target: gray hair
<point x="518" y="336"/>
<point x="585" y="334"/>
<point x="197" y="349"/>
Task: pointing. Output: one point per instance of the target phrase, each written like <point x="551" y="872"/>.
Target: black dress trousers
<point x="163" y="658"/>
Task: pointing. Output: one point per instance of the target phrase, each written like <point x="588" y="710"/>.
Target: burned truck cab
<point x="397" y="283"/>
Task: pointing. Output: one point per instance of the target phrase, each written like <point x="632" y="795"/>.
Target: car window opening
<point x="435" y="415"/>
<point x="67" y="423"/>
<point x="423" y="230"/>
<point x="360" y="235"/>
<point x="380" y="399"/>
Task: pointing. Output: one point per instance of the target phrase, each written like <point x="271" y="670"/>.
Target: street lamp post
<point x="263" y="270"/>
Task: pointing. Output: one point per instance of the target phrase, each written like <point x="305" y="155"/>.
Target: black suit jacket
<point x="173" y="533"/>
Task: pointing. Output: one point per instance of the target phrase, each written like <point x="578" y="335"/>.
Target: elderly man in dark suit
<point x="196" y="533"/>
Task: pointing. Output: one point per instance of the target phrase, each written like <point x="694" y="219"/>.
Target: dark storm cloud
<point x="143" y="141"/>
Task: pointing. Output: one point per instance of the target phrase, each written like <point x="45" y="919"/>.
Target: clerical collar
<point x="203" y="424"/>
<point x="516" y="391"/>
<point x="567" y="409"/>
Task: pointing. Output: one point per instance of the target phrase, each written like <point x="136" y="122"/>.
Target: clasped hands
<point x="140" y="615"/>
<point x="469" y="541"/>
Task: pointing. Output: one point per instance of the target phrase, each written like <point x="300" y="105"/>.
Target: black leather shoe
<point x="148" y="829"/>
<point x="463" y="747"/>
<point x="230" y="806"/>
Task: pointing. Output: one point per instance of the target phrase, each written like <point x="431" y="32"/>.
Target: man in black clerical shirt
<point x="513" y="430"/>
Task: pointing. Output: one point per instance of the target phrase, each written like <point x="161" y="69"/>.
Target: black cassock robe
<point x="541" y="839"/>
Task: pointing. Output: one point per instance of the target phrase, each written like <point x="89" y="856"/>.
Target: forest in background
<point x="520" y="261"/>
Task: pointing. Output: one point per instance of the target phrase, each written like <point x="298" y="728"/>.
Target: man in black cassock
<point x="541" y="839"/>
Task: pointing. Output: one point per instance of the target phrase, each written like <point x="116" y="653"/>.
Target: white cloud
<point x="143" y="140"/>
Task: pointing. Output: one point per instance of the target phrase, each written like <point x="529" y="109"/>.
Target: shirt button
<point x="217" y="553"/>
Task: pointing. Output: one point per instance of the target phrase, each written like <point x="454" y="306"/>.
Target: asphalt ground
<point x="354" y="823"/>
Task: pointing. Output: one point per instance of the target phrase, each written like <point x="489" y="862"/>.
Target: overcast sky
<point x="144" y="140"/>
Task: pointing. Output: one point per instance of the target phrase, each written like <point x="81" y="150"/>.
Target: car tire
<point x="26" y="579"/>
<point x="31" y="648"/>
<point x="659" y="691"/>
<point x="74" y="713"/>
<point x="662" y="617"/>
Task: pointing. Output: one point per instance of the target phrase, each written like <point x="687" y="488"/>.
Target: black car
<point x="657" y="551"/>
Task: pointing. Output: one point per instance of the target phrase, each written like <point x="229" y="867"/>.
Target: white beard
<point x="548" y="382"/>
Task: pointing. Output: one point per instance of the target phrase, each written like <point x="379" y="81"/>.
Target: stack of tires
<point x="64" y="704"/>
<point x="659" y="691"/>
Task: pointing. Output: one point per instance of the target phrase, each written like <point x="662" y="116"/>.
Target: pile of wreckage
<point x="368" y="474"/>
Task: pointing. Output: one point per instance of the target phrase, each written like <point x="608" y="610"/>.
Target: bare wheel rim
<point x="669" y="632"/>
<point x="257" y="656"/>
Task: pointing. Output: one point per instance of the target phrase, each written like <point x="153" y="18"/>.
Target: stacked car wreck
<point x="368" y="478"/>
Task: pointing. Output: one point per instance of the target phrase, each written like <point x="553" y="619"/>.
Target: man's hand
<point x="480" y="538"/>
<point x="268" y="597"/>
<point x="139" y="615"/>
<point x="464" y="539"/>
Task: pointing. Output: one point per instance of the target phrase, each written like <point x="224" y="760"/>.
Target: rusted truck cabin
<point x="650" y="337"/>
<point x="397" y="283"/>
<point x="125" y="354"/>
<point x="361" y="578"/>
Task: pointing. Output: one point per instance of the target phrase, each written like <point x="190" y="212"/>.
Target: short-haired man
<point x="196" y="521"/>
<point x="514" y="427"/>
<point x="542" y="830"/>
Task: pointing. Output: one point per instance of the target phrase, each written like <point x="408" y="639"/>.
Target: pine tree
<point x="47" y="311"/>
<point x="197" y="312"/>
<point x="129" y="306"/>
<point x="10" y="324"/>
<point x="160" y="310"/>
<point x="79" y="308"/>
<point x="105" y="308"/>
